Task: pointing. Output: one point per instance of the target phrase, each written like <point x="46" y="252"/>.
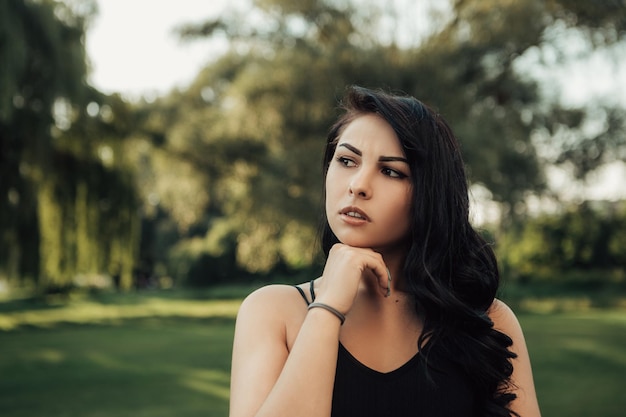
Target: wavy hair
<point x="450" y="270"/>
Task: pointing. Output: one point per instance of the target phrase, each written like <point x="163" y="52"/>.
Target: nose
<point x="360" y="185"/>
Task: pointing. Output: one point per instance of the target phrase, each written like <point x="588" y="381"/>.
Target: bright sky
<point x="133" y="48"/>
<point x="134" y="51"/>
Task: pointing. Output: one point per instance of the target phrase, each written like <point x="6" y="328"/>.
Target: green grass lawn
<point x="152" y="355"/>
<point x="141" y="367"/>
<point x="579" y="362"/>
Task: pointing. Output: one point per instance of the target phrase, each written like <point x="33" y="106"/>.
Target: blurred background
<point x="159" y="160"/>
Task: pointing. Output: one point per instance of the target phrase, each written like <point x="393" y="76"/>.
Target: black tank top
<point x="427" y="385"/>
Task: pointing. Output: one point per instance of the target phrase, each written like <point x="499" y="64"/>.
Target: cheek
<point x="409" y="200"/>
<point x="405" y="211"/>
<point x="405" y="199"/>
<point x="332" y="183"/>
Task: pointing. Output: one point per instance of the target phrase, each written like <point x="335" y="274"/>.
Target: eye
<point x="393" y="173"/>
<point x="347" y="162"/>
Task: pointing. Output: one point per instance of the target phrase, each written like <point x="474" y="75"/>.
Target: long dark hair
<point x="450" y="270"/>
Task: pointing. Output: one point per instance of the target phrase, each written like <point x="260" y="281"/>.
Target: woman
<point x="403" y="320"/>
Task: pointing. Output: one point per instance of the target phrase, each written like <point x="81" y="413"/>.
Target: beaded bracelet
<point x="336" y="312"/>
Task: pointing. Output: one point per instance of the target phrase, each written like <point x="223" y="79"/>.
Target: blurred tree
<point x="248" y="133"/>
<point x="66" y="200"/>
<point x="498" y="110"/>
<point x="584" y="237"/>
<point x="581" y="138"/>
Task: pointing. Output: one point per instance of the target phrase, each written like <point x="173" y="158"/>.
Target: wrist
<point x="329" y="309"/>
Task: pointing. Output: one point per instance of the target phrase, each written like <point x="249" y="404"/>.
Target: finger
<point x="386" y="284"/>
<point x="388" y="293"/>
<point x="383" y="276"/>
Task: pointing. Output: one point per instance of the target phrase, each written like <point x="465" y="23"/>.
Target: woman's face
<point x="368" y="186"/>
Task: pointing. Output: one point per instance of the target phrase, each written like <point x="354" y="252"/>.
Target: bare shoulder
<point x="504" y="319"/>
<point x="271" y="314"/>
<point x="269" y="301"/>
<point x="269" y="293"/>
<point x="261" y="345"/>
<point x="273" y="305"/>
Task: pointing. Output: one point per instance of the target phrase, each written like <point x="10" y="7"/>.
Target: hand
<point x="345" y="268"/>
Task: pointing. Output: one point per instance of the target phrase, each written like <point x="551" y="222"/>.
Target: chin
<point x="355" y="243"/>
<point x="361" y="243"/>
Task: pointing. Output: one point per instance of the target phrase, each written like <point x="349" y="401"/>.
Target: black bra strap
<point x="313" y="290"/>
<point x="302" y="294"/>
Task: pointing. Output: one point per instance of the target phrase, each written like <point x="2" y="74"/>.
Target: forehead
<point x="371" y="133"/>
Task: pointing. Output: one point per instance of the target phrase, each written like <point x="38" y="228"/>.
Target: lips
<point x="355" y="213"/>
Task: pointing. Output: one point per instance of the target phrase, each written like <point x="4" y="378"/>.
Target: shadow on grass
<point x="141" y="367"/>
<point x="55" y="300"/>
<point x="113" y="309"/>
<point x="138" y="322"/>
<point x="552" y="297"/>
<point x="33" y="303"/>
<point x="233" y="292"/>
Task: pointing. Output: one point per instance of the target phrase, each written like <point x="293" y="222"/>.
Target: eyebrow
<point x="381" y="159"/>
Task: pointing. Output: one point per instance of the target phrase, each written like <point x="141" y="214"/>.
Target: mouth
<point x="355" y="213"/>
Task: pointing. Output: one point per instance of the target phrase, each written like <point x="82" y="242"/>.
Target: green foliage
<point x="605" y="20"/>
<point x="68" y="205"/>
<point x="249" y="173"/>
<point x="582" y="238"/>
<point x="248" y="133"/>
<point x="42" y="55"/>
<point x="225" y="175"/>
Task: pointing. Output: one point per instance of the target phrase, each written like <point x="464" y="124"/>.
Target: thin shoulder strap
<point x="301" y="291"/>
<point x="312" y="290"/>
